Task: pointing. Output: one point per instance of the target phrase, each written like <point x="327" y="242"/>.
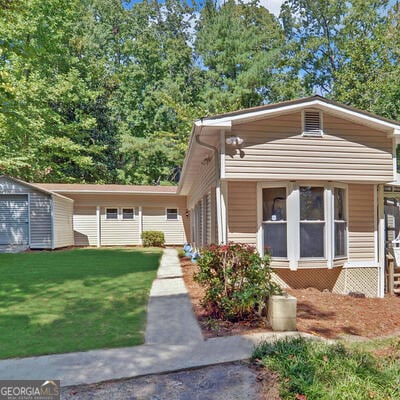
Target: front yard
<point x="74" y="300"/>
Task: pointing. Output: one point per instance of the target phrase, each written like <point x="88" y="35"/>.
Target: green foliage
<point x="237" y="280"/>
<point x="153" y="239"/>
<point x="74" y="300"/>
<point x="322" y="371"/>
<point x="239" y="44"/>
<point x="106" y="91"/>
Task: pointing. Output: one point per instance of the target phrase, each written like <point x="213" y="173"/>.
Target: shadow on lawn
<point x="31" y="274"/>
<point x="82" y="324"/>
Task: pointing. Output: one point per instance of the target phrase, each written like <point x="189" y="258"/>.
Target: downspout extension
<point x="221" y="238"/>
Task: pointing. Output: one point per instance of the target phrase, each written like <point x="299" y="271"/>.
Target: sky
<point x="273" y="6"/>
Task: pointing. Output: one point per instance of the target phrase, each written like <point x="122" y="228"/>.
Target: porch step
<point x="396" y="291"/>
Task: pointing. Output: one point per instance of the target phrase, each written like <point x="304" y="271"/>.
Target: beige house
<point x="304" y="179"/>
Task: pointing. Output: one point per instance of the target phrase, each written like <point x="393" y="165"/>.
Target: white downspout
<point x="219" y="200"/>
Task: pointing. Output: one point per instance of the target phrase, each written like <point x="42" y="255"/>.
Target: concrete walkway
<point x="173" y="342"/>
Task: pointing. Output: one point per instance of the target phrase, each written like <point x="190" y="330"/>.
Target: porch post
<point x="98" y="230"/>
<point x="140" y="225"/>
<point x="381" y="241"/>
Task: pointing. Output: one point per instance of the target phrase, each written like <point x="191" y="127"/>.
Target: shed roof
<point x="34" y="186"/>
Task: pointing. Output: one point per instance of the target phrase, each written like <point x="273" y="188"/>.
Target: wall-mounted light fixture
<point x="234" y="140"/>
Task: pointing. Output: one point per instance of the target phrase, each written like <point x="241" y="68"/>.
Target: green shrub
<point x="237" y="281"/>
<point x="153" y="239"/>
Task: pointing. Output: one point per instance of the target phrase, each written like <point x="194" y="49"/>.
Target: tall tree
<point x="48" y="128"/>
<point x="347" y="50"/>
<point x="239" y="45"/>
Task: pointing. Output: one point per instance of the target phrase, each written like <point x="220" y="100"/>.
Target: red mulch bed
<point x="211" y="327"/>
<point x="320" y="313"/>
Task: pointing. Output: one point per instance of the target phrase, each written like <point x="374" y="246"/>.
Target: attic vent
<point x="312" y="123"/>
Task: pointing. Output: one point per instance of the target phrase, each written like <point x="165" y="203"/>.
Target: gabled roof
<point x="363" y="117"/>
<point x="34" y="186"/>
<point x="116" y="189"/>
<point x="208" y="128"/>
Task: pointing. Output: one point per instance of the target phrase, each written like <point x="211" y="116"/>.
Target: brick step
<point x="396" y="291"/>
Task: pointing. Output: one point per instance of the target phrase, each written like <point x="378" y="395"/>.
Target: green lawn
<point x="73" y="300"/>
<point x="312" y="370"/>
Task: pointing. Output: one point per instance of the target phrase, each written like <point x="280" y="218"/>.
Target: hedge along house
<point x="32" y="217"/>
<point x="116" y="215"/>
<point x="304" y="178"/>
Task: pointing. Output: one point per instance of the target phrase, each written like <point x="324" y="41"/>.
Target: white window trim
<point x="120" y="214"/>
<point x="317" y="134"/>
<point x="293" y="220"/>
<point x="111" y="208"/>
<point x="178" y="217"/>
<point x="128" y="208"/>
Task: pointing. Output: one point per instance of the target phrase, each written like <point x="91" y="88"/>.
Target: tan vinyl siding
<point x="242" y="212"/>
<point x="119" y="232"/>
<point x="275" y="149"/>
<point x="202" y="185"/>
<point x="62" y="222"/>
<point x="85" y="225"/>
<point x="361" y="225"/>
<point x="154" y="219"/>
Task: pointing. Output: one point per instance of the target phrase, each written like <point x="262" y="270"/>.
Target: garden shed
<point x="32" y="217"/>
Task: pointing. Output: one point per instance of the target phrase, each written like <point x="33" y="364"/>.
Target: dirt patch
<point x="211" y="327"/>
<point x="319" y="313"/>
<point x="228" y="381"/>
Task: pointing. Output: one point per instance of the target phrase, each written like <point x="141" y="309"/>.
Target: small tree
<point x="238" y="281"/>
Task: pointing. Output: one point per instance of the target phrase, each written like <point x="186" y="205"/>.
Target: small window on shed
<point x="172" y="213"/>
<point x="111" y="213"/>
<point x="128" y="213"/>
<point x="312" y="123"/>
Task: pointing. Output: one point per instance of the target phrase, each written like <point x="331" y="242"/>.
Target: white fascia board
<point x="228" y="120"/>
<point x="215" y="123"/>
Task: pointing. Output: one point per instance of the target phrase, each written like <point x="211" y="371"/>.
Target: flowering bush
<point x="237" y="280"/>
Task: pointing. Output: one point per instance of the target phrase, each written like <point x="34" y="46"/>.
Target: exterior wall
<point x="119" y="232"/>
<point x="40" y="221"/>
<point x="275" y="149"/>
<point x="206" y="180"/>
<point x="202" y="203"/>
<point x="40" y="211"/>
<point x="85" y="225"/>
<point x="126" y="232"/>
<point x="361" y="222"/>
<point x="62" y="222"/>
<point x="154" y="219"/>
<point x="242" y="212"/>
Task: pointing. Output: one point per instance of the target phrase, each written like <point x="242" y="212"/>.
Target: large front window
<point x="274" y="221"/>
<point x="312" y="222"/>
<point x="302" y="221"/>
